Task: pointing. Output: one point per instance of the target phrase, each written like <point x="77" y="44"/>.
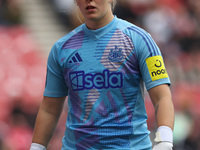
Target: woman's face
<point x="95" y="10"/>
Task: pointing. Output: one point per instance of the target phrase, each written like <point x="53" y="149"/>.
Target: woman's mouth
<point x="90" y="8"/>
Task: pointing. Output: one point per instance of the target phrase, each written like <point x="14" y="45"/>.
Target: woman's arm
<point x="164" y="112"/>
<point x="47" y="119"/>
<point x="164" y="109"/>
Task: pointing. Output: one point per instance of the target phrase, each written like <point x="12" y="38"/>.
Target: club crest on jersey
<point x="115" y="54"/>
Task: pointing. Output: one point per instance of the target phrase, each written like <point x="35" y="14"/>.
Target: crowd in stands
<point x="22" y="76"/>
<point x="173" y="24"/>
<point x="10" y="12"/>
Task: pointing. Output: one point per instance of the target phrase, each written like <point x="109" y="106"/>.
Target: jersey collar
<point x="96" y="34"/>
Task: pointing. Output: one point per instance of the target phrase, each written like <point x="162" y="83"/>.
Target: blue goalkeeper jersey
<point x="103" y="73"/>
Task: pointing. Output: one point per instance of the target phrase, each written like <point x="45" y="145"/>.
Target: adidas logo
<point x="75" y="59"/>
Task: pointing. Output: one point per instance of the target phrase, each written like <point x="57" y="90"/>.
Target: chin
<point x="93" y="17"/>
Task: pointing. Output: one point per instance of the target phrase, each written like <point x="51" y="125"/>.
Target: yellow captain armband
<point x="156" y="67"/>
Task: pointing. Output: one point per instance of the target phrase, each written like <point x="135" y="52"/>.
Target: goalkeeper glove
<point x="164" y="138"/>
<point x="163" y="146"/>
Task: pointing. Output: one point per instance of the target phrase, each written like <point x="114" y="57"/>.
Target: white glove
<point x="35" y="146"/>
<point x="164" y="138"/>
<point x="163" y="146"/>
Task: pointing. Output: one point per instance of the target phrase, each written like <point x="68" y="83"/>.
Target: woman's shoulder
<point x="69" y="35"/>
<point x="129" y="27"/>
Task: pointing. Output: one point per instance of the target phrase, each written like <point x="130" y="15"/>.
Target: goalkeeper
<point x="102" y="66"/>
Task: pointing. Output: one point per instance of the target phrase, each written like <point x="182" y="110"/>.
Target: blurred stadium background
<point x="29" y="28"/>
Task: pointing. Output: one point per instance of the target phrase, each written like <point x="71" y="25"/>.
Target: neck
<point x="99" y="23"/>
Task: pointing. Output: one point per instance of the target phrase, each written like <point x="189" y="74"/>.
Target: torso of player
<point x="98" y="64"/>
<point x="103" y="77"/>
